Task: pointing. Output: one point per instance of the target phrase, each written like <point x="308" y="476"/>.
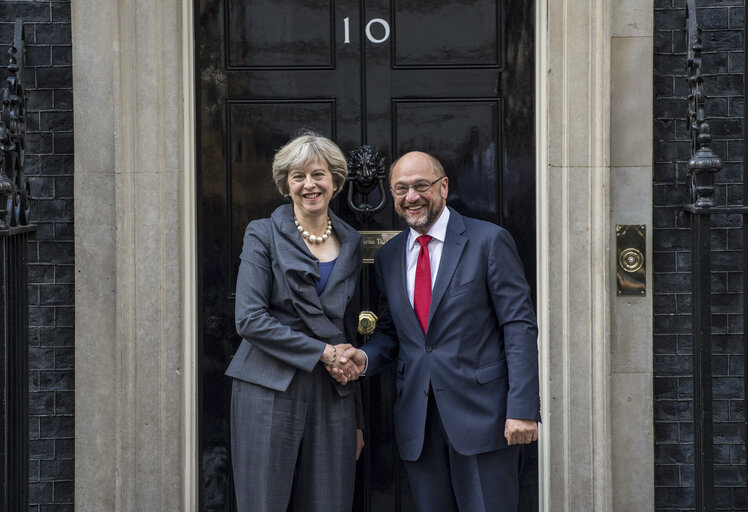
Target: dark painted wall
<point x="723" y="65"/>
<point x="49" y="166"/>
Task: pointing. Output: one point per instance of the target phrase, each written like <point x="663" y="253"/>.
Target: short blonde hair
<point x="303" y="149"/>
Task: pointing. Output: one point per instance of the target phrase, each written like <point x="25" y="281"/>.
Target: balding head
<point x="419" y="158"/>
<point x="419" y="189"/>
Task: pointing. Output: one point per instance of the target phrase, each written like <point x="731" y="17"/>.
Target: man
<point x="455" y="311"/>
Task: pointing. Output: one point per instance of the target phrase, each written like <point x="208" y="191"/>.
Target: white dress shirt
<point x="437" y="233"/>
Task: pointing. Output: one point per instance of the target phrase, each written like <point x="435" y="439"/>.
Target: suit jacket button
<point x="428" y="348"/>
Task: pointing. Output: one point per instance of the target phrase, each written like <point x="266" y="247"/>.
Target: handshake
<point x="344" y="362"/>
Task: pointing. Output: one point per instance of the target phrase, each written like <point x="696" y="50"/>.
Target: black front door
<point x="455" y="79"/>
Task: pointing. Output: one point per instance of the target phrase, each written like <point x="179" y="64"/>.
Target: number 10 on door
<point x="374" y="21"/>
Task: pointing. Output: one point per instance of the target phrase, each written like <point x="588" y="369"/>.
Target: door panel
<point x="280" y="34"/>
<point x="465" y="135"/>
<point x="451" y="78"/>
<point x="452" y="35"/>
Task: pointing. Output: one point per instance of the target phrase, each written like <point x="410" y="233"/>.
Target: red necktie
<point x="422" y="287"/>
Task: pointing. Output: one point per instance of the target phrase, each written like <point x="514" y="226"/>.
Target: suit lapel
<point x="454" y="244"/>
<point x="300" y="268"/>
<point x="397" y="279"/>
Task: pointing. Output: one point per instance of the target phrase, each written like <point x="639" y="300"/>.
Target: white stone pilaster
<point x="133" y="134"/>
<point x="573" y="253"/>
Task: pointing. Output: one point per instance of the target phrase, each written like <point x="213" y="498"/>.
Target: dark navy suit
<point x="479" y="353"/>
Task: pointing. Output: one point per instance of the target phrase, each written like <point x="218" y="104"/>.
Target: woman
<point x="294" y="436"/>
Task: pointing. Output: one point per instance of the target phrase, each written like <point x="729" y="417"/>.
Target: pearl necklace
<point x="314" y="238"/>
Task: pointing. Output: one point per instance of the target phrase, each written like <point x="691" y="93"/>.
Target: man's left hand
<point x="520" y="431"/>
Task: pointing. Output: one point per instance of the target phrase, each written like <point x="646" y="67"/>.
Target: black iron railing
<point x="703" y="165"/>
<point x="14" y="310"/>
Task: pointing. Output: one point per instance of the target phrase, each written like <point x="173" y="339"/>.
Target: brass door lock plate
<point x="367" y="322"/>
<point x="631" y="250"/>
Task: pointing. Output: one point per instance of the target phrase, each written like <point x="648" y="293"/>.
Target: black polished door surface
<point x="452" y="78"/>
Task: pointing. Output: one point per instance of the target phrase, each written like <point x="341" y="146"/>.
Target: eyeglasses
<point x="420" y="187"/>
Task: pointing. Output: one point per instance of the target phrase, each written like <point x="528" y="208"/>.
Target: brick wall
<point x="49" y="166"/>
<point x="723" y="65"/>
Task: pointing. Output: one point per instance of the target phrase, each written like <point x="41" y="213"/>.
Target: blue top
<point x="325" y="269"/>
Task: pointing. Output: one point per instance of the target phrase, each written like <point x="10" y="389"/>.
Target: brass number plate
<point x="373" y="240"/>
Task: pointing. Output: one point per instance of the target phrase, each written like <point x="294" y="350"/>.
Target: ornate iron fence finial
<point x="702" y="166"/>
<point x="14" y="187"/>
<point x="704" y="162"/>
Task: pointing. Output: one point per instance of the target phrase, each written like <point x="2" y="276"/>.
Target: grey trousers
<point x="295" y="446"/>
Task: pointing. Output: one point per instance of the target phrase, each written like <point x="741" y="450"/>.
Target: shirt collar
<point x="438" y="230"/>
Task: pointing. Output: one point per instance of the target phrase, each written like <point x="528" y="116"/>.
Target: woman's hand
<point x="343" y="369"/>
<point x="332" y="354"/>
<point x="352" y="364"/>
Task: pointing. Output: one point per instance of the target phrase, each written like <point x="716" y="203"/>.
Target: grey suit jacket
<point x="284" y="325"/>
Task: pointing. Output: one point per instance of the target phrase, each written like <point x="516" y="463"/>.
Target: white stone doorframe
<point x="136" y="303"/>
